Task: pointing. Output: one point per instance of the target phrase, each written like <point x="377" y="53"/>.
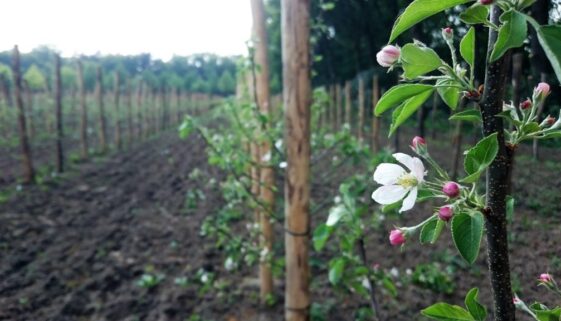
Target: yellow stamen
<point x="407" y="181"/>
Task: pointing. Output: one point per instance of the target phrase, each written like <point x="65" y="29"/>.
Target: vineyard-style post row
<point x="83" y="111"/>
<point x="58" y="115"/>
<point x="102" y="124"/>
<point x="29" y="109"/>
<point x="267" y="175"/>
<point x="139" y="120"/>
<point x="338" y="106"/>
<point x="375" y="120"/>
<point x="360" y="109"/>
<point x="117" y="113"/>
<point x="129" y="112"/>
<point x="348" y="102"/>
<point x="28" y="171"/>
<point x="295" y="30"/>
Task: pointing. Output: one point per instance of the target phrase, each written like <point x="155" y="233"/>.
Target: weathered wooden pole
<point x="375" y="120"/>
<point x="102" y="124"/>
<point x="28" y="171"/>
<point x="360" y="109"/>
<point x="129" y="113"/>
<point x="295" y="20"/>
<point x="116" y="98"/>
<point x="84" y="148"/>
<point x="139" y="111"/>
<point x="58" y="117"/>
<point x="338" y="107"/>
<point x="267" y="175"/>
<point x="348" y="103"/>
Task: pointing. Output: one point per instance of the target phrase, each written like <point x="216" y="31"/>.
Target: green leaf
<point x="419" y="10"/>
<point x="418" y="60"/>
<point x="467" y="47"/>
<point x="467" y="231"/>
<point x="446" y="312"/>
<point x="467" y="115"/>
<point x="476" y="309"/>
<point x="449" y="92"/>
<point x="545" y="314"/>
<point x="431" y="231"/>
<point x="335" y="214"/>
<point x="549" y="38"/>
<point x="320" y="237"/>
<point x="479" y="157"/>
<point x="530" y="128"/>
<point x="475" y="14"/>
<point x="409" y="107"/>
<point x="398" y="94"/>
<point x="336" y="270"/>
<point x="512" y="33"/>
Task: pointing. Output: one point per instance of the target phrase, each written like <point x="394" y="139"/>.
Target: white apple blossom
<point x="397" y="183"/>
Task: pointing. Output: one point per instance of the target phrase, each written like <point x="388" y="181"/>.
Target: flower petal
<point x="387" y="174"/>
<point x="409" y="201"/>
<point x="414" y="164"/>
<point x="388" y="194"/>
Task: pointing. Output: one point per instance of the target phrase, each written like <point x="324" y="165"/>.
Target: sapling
<point x="504" y="126"/>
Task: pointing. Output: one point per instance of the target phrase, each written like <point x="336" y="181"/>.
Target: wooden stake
<point x="102" y="125"/>
<point x="84" y="149"/>
<point x="348" y="103"/>
<point x="58" y="115"/>
<point x="339" y="107"/>
<point x="360" y="109"/>
<point x="117" y="92"/>
<point x="295" y="19"/>
<point x="28" y="171"/>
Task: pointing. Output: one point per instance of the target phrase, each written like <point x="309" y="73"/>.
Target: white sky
<point x="162" y="27"/>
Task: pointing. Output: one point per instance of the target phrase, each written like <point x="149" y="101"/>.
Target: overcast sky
<point x="160" y="27"/>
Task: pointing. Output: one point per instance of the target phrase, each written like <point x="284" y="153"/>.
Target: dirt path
<point x="75" y="250"/>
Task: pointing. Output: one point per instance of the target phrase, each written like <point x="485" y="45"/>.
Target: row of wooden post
<point x="148" y="121"/>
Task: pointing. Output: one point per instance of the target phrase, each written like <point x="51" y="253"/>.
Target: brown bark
<point x="295" y="19"/>
<point x="58" y="115"/>
<point x="84" y="149"/>
<point x="28" y="171"/>
<point x="348" y="103"/>
<point x="117" y="113"/>
<point x="360" y="109"/>
<point x="262" y="98"/>
<point x="375" y="120"/>
<point x="102" y="124"/>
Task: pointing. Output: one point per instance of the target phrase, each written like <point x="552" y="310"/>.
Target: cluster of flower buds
<point x="388" y="56"/>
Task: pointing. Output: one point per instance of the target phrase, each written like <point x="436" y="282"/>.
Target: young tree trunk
<point x="348" y="103"/>
<point x="6" y="91"/>
<point x="163" y="110"/>
<point x="139" y="111"/>
<point x="338" y="107"/>
<point x="28" y="171"/>
<point x="58" y="119"/>
<point x="375" y="120"/>
<point x="116" y="98"/>
<point x="267" y="175"/>
<point x="84" y="149"/>
<point x="29" y="111"/>
<point x="360" y="109"/>
<point x="295" y="19"/>
<point x="102" y="124"/>
<point x="129" y="113"/>
<point x="497" y="181"/>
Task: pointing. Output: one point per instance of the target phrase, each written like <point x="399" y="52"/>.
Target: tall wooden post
<point x="360" y="109"/>
<point x="338" y="107"/>
<point x="28" y="171"/>
<point x="116" y="97"/>
<point x="129" y="113"/>
<point x="58" y="115"/>
<point x="295" y="20"/>
<point x="348" y="102"/>
<point x="139" y="111"/>
<point x="102" y="124"/>
<point x="267" y="174"/>
<point x="375" y="120"/>
<point x="84" y="149"/>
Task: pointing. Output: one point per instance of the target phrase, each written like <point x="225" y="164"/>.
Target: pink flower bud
<point x="485" y="2"/>
<point x="516" y="300"/>
<point x="526" y="104"/>
<point x="447" y="33"/>
<point x="545" y="278"/>
<point x="388" y="55"/>
<point x="446" y="212"/>
<point x="550" y="120"/>
<point x="451" y="189"/>
<point x="417" y="142"/>
<point x="397" y="237"/>
<point x="542" y="89"/>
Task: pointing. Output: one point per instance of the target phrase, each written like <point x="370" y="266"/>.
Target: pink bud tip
<point x="545" y="278"/>
<point x="388" y="55"/>
<point x="486" y="2"/>
<point x="448" y="33"/>
<point x="451" y="189"/>
<point x="447" y="30"/>
<point x="516" y="300"/>
<point x="397" y="237"/>
<point x="417" y="142"/>
<point x="550" y="120"/>
<point x="446" y="212"/>
<point x="526" y="104"/>
<point x="543" y="89"/>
